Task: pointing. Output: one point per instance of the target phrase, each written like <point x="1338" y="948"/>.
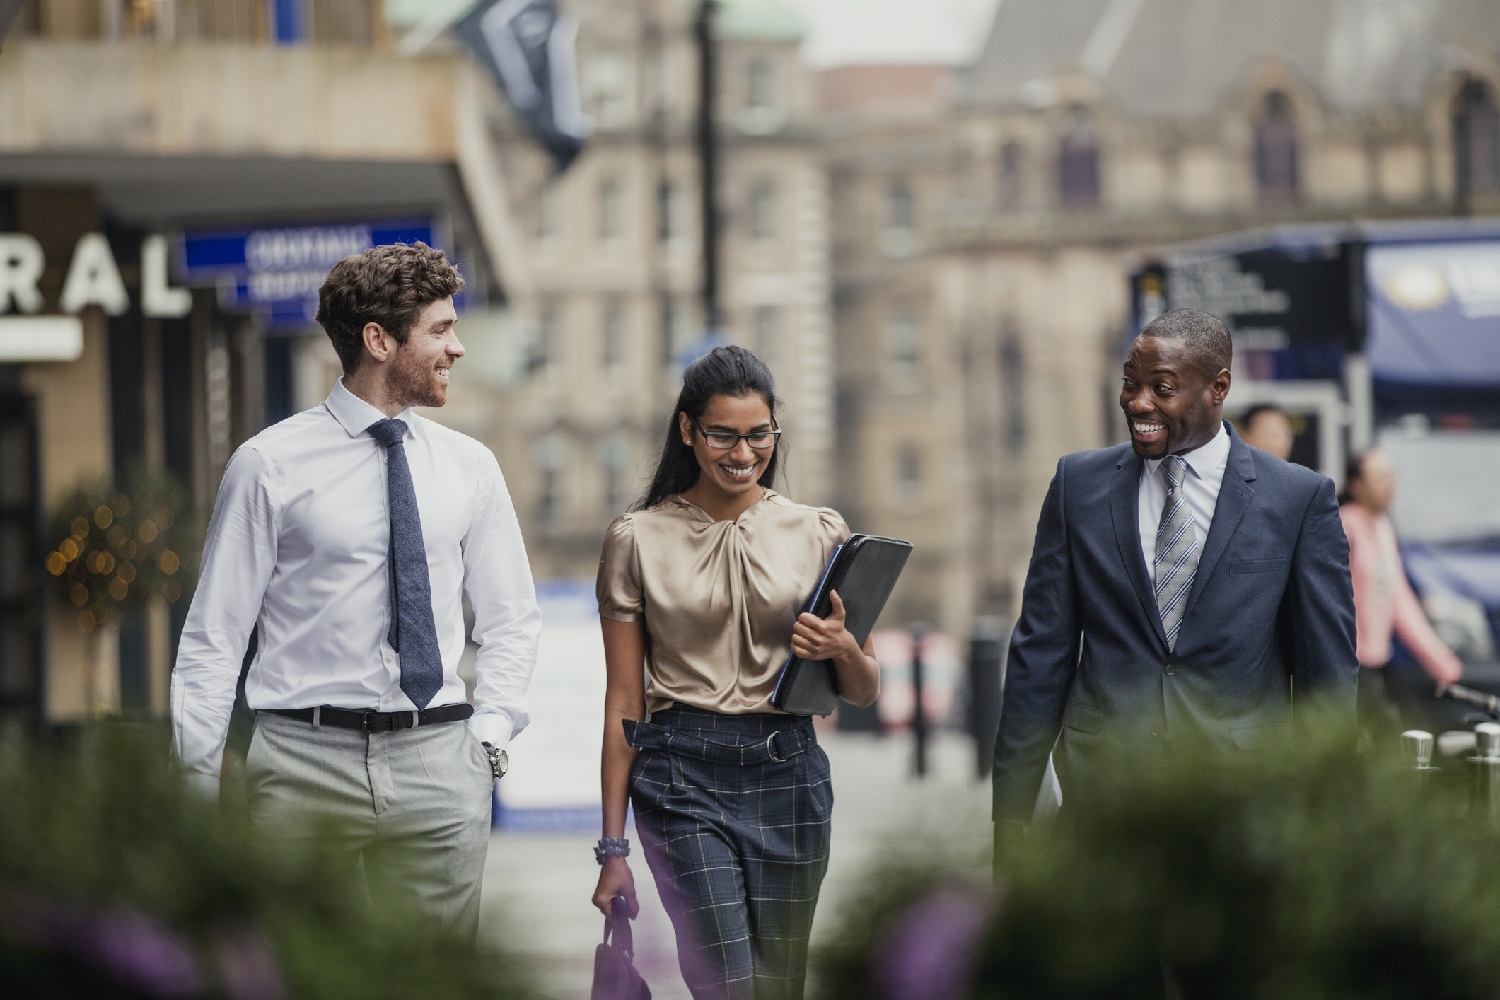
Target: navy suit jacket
<point x="1270" y="615"/>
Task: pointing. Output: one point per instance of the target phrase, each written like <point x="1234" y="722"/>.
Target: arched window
<point x="1476" y="143"/>
<point x="1009" y="189"/>
<point x="1078" y="161"/>
<point x="1276" y="150"/>
<point x="763" y="210"/>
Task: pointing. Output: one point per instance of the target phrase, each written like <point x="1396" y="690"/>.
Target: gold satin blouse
<point x="718" y="598"/>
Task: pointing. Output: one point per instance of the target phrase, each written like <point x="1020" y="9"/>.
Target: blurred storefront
<point x="175" y="179"/>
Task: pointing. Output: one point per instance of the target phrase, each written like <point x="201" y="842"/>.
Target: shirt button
<point x="388" y="657"/>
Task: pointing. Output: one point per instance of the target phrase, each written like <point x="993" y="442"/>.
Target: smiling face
<point x="729" y="473"/>
<point x="419" y="368"/>
<point x="1171" y="402"/>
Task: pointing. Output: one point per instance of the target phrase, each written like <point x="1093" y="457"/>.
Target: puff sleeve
<point x="618" y="586"/>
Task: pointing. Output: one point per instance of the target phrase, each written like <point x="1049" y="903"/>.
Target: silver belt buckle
<point x="771" y="748"/>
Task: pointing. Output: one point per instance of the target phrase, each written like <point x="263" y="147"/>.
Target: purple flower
<point x="142" y="953"/>
<point x="929" y="953"/>
<point x="247" y="966"/>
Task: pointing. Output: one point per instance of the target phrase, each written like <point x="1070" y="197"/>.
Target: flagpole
<point x="708" y="165"/>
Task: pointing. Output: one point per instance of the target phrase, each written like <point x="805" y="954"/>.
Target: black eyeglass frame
<point x="708" y="436"/>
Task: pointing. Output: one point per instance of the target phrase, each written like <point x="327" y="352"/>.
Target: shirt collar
<point x="1204" y="459"/>
<point x="355" y="415"/>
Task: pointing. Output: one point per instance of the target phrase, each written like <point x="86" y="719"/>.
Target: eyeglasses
<point x="724" y="440"/>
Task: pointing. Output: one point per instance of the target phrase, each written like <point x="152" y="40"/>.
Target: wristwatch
<point x="499" y="760"/>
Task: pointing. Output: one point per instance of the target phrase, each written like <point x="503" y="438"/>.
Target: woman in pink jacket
<point x="1384" y="604"/>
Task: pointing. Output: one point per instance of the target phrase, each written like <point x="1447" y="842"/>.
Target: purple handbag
<point x="615" y="977"/>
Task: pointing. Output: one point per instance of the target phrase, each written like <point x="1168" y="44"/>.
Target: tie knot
<point x="1174" y="467"/>
<point x="388" y="432"/>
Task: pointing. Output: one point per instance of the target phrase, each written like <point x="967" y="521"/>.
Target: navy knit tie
<point x="413" y="632"/>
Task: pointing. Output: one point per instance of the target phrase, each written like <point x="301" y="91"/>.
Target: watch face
<point x="501" y="763"/>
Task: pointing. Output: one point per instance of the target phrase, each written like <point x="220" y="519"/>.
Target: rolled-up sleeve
<point x="507" y="621"/>
<point x="618" y="586"/>
<point x="239" y="554"/>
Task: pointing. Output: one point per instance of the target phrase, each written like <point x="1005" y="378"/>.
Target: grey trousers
<point x="413" y="805"/>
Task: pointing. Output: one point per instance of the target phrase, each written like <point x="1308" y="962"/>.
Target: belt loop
<point x="416" y="718"/>
<point x="318" y="717"/>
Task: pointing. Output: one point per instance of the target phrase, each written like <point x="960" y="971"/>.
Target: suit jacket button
<point x="1169" y="669"/>
<point x="1155" y="731"/>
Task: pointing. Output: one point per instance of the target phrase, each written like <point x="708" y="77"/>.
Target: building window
<point x="902" y="354"/>
<point x="545" y="344"/>
<point x="907" y="491"/>
<point x="614" y="460"/>
<point x="612" y="339"/>
<point x="1078" y="161"/>
<point x="900" y="216"/>
<point x="668" y="211"/>
<point x="763" y="211"/>
<point x="1476" y="142"/>
<point x="548" y="207"/>
<point x="671" y="329"/>
<point x="609" y="82"/>
<point x="767" y="328"/>
<point x="1013" y="389"/>
<point x="760" y="84"/>
<point x="552" y="465"/>
<point x="1276" y="150"/>
<point x="611" y="211"/>
<point x="1008" y="187"/>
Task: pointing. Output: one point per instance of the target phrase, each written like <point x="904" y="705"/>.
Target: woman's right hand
<point x="615" y="880"/>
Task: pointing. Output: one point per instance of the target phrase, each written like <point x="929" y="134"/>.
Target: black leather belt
<point x="373" y="722"/>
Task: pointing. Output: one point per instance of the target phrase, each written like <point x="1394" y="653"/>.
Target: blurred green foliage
<point x="1312" y="875"/>
<point x="116" y="881"/>
<point x="117" y="547"/>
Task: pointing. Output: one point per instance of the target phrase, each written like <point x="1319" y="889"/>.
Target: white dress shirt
<point x="1206" y="465"/>
<point x="298" y="545"/>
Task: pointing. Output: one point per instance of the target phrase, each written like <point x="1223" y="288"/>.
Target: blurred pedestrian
<point x="699" y="587"/>
<point x="1384" y="604"/>
<point x="1183" y="590"/>
<point x="348" y="535"/>
<point x="1267" y="427"/>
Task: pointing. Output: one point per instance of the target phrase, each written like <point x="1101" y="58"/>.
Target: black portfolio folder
<point x="863" y="570"/>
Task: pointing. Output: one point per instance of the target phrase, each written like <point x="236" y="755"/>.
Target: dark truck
<point x="1378" y="334"/>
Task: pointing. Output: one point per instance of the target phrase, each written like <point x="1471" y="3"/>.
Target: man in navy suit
<point x="1187" y="593"/>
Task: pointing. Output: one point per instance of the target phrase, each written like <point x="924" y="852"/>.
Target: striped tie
<point x="1176" y="551"/>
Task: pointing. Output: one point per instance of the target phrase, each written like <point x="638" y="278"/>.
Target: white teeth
<point x="745" y="471"/>
<point x="1147" y="428"/>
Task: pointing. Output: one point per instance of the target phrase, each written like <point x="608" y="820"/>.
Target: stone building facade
<point x="982" y="240"/>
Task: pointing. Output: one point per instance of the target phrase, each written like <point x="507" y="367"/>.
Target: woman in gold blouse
<point x="699" y="588"/>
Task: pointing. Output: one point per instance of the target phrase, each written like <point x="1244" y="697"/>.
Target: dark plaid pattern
<point x="732" y="812"/>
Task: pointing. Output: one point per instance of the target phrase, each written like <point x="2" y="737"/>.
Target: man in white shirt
<point x="349" y="535"/>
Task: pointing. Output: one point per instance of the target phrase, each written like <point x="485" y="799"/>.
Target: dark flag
<point x="528" y="47"/>
<point x="8" y="11"/>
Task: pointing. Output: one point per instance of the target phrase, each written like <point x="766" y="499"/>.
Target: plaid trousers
<point x="732" y="812"/>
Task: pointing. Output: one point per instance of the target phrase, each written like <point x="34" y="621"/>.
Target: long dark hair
<point x="723" y="371"/>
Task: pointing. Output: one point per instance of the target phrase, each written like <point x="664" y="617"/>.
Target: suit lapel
<point x="1234" y="496"/>
<point x="1125" y="511"/>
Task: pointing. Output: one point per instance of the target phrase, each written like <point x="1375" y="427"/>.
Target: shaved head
<point x="1209" y="346"/>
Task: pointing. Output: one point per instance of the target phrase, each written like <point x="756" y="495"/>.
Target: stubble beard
<point x="414" y="383"/>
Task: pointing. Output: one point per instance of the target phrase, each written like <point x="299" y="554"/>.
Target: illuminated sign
<point x="93" y="279"/>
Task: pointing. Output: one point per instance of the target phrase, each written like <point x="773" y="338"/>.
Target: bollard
<point x="986" y="661"/>
<point x="1416" y="747"/>
<point x="918" y="706"/>
<point x="1486" y="766"/>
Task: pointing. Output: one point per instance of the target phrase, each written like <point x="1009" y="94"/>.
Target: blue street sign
<point x="277" y="270"/>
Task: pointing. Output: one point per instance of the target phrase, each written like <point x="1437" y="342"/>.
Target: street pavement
<point x="537" y="886"/>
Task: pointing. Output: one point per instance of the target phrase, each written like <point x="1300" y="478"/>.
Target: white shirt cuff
<point x="494" y="728"/>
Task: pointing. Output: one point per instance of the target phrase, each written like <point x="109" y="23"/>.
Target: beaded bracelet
<point x="611" y="847"/>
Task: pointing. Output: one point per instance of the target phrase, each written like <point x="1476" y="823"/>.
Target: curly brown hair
<point x="389" y="285"/>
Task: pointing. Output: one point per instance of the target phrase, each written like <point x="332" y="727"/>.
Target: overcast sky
<point x="884" y="31"/>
